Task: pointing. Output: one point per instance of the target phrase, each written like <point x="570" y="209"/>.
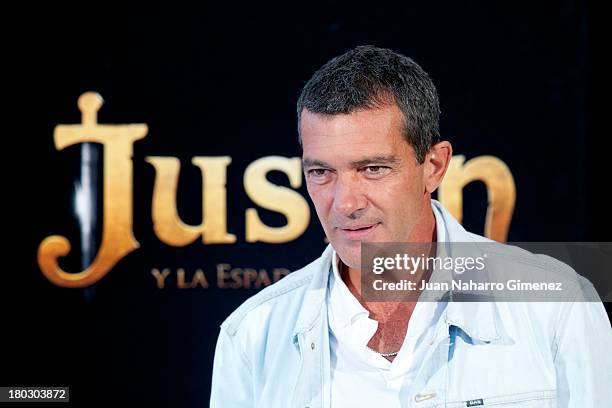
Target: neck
<point x="392" y="317"/>
<point x="424" y="232"/>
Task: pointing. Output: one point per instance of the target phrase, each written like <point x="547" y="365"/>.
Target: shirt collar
<point x="345" y="308"/>
<point x="477" y="319"/>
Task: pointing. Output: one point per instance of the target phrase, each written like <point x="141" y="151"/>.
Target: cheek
<point x="402" y="187"/>
<point x="319" y="198"/>
<point x="402" y="197"/>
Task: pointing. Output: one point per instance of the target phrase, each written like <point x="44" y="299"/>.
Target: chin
<point x="350" y="254"/>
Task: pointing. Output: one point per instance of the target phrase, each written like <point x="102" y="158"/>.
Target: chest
<point x="455" y="372"/>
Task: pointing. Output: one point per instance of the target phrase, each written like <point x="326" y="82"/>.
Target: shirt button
<point x="312" y="348"/>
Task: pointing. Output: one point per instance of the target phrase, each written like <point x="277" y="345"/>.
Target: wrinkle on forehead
<point x="360" y="135"/>
<point x="379" y="120"/>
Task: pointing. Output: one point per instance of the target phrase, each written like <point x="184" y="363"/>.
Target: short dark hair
<point x="369" y="77"/>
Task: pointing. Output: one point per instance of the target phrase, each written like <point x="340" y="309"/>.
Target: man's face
<point x="363" y="178"/>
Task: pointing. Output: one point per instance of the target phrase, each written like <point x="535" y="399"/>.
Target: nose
<point x="349" y="197"/>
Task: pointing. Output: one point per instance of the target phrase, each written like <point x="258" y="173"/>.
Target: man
<point x="372" y="156"/>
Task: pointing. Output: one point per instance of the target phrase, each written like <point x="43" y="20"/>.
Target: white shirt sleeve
<point x="232" y="382"/>
<point x="583" y="361"/>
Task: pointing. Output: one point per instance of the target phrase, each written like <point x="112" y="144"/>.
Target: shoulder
<point x="282" y="299"/>
<point x="543" y="312"/>
<point x="516" y="262"/>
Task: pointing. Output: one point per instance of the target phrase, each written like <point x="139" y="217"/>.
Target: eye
<point x="376" y="171"/>
<point x="317" y="172"/>
<point x="318" y="176"/>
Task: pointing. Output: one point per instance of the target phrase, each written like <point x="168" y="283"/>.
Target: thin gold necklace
<point x="393" y="353"/>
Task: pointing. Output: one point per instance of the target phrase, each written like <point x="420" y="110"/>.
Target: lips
<point x="357" y="232"/>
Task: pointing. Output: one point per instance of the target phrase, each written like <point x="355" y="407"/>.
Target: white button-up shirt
<point x="359" y="376"/>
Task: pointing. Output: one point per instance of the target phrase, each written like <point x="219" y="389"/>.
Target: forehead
<point x="363" y="132"/>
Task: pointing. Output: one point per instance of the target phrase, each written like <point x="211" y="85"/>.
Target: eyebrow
<point x="366" y="161"/>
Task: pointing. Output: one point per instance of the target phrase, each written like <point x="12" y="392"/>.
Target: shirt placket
<point x="430" y="384"/>
<point x="312" y="388"/>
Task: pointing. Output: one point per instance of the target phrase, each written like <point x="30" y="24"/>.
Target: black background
<point x="516" y="80"/>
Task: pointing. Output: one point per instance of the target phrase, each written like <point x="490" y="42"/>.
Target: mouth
<point x="358" y="232"/>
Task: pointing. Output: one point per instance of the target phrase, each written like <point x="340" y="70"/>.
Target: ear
<point x="436" y="162"/>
